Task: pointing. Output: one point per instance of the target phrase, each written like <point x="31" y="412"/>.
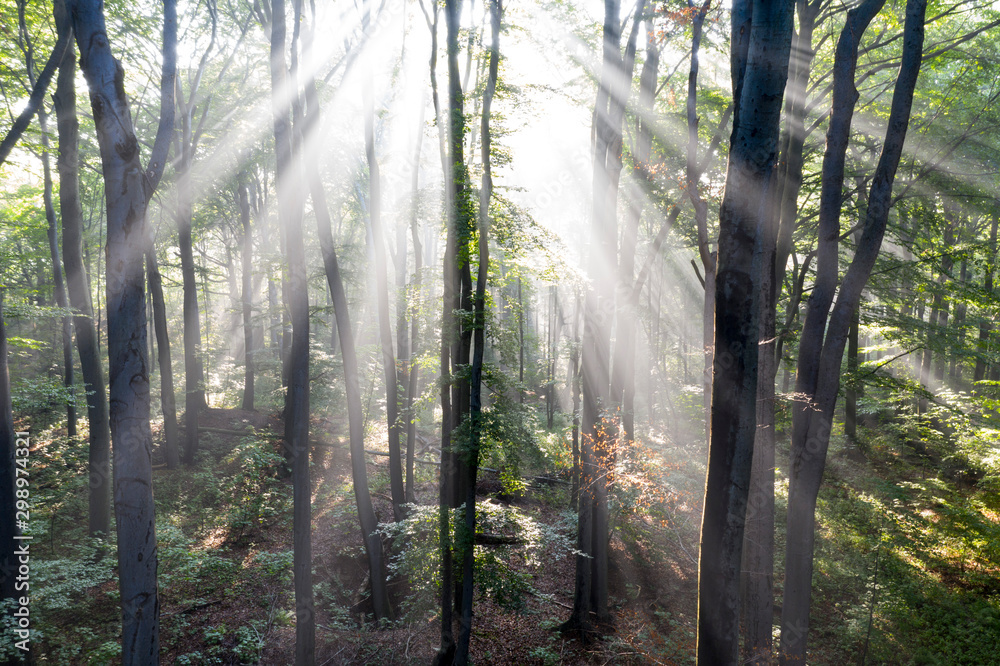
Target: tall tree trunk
<point x="171" y="444"/>
<point x="596" y="455"/>
<point x="455" y="339"/>
<point x="761" y="42"/>
<point x="947" y="263"/>
<point x="382" y="292"/>
<point x="520" y="343"/>
<point x="127" y="190"/>
<point x="627" y="302"/>
<point x="985" y="324"/>
<point x="574" y="380"/>
<point x="476" y="402"/>
<point x="288" y="174"/>
<point x="415" y="286"/>
<point x="246" y="296"/>
<point x="59" y="286"/>
<point x="955" y="369"/>
<point x="820" y="357"/>
<point x="352" y="386"/>
<point x="758" y="540"/>
<point x="709" y="258"/>
<point x="8" y="445"/>
<point x="851" y="390"/>
<point x="78" y="287"/>
<point x="461" y="228"/>
<point x="194" y="374"/>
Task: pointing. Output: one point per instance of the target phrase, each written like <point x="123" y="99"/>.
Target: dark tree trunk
<point x="187" y="145"/>
<point x="247" y="294"/>
<point x="78" y="287"/>
<point x="382" y="294"/>
<point x="520" y="343"/>
<point x="947" y="264"/>
<point x="171" y="444"/>
<point x="479" y="335"/>
<point x="8" y="446"/>
<point x="288" y="175"/>
<point x="413" y="370"/>
<point x="596" y="455"/>
<point x="851" y="390"/>
<point x="455" y="339"/>
<point x="709" y="258"/>
<point x="127" y="190"/>
<point x="985" y="324"/>
<point x="820" y="357"/>
<point x="59" y="286"/>
<point x="761" y="42"/>
<point x="194" y="374"/>
<point x="574" y="380"/>
<point x="352" y="385"/>
<point x="627" y="301"/>
<point x="955" y="369"/>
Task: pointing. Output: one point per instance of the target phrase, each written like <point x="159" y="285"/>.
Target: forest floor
<point x="654" y="610"/>
<point x="907" y="566"/>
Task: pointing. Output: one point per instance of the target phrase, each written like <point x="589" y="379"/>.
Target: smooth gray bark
<point x="78" y="289"/>
<point x="127" y="191"/>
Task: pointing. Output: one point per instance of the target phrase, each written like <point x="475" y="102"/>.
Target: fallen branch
<point x="498" y="540"/>
<point x="548" y="597"/>
<point x="204" y="604"/>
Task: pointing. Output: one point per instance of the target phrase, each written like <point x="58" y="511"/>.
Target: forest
<point x="499" y="332"/>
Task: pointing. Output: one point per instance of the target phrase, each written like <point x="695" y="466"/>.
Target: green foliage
<point x="254" y="489"/>
<point x="495" y="572"/>
<point x="192" y="574"/>
<point x="42" y="399"/>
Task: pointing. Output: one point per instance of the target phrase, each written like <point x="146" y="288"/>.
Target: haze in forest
<point x="557" y="332"/>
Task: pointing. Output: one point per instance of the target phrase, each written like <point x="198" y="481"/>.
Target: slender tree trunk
<point x="352" y="385"/>
<point x="574" y="380"/>
<point x="455" y="339"/>
<point x="520" y="343"/>
<point x="955" y="370"/>
<point x="851" y="390"/>
<point x="462" y="226"/>
<point x="171" y="440"/>
<point x="476" y="403"/>
<point x="59" y="286"/>
<point x="247" y="295"/>
<point x="947" y="263"/>
<point x="290" y="204"/>
<point x="8" y="445"/>
<point x="761" y="43"/>
<point x="820" y="356"/>
<point x="382" y="293"/>
<point x="985" y="324"/>
<point x="415" y="287"/>
<point x="194" y="375"/>
<point x="78" y="287"/>
<point x="628" y="324"/>
<point x="709" y="258"/>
